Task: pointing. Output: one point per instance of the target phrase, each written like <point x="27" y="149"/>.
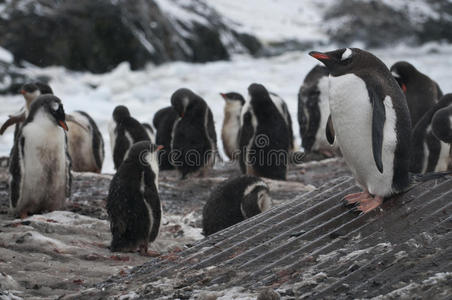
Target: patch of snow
<point x="146" y="91"/>
<point x="6" y="56"/>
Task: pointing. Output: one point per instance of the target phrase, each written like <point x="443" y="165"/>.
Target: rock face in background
<point x="98" y="35"/>
<point x="386" y="23"/>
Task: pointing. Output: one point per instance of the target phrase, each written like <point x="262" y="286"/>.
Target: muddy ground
<point x="59" y="253"/>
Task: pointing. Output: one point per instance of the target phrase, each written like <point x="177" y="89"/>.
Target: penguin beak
<point x="63" y="124"/>
<point x="320" y="56"/>
<point x="223" y="95"/>
<point x="23" y="92"/>
<point x="160" y="147"/>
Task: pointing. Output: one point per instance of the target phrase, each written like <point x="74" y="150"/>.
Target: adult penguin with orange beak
<point x="40" y="168"/>
<point x="371" y="124"/>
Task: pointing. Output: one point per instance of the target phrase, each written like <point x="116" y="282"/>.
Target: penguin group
<point x="389" y="124"/>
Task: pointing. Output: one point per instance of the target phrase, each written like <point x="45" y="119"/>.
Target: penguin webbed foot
<point x="369" y="205"/>
<point x="354" y="198"/>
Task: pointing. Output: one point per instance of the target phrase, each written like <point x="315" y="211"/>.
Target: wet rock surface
<point x="61" y="253"/>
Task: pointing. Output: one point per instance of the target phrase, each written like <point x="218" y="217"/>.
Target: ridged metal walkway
<point x="313" y="247"/>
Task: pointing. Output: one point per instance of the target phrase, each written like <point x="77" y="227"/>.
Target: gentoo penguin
<point x="133" y="203"/>
<point x="284" y="111"/>
<point x="442" y="123"/>
<point x="194" y="141"/>
<point x="149" y="131"/>
<point x="124" y="132"/>
<point x="85" y="143"/>
<point x="371" y="124"/>
<point x="429" y="154"/>
<point x="264" y="136"/>
<point x="233" y="201"/>
<point x="421" y="92"/>
<point x="314" y="110"/>
<point x="40" y="168"/>
<point x="163" y="121"/>
<point x="231" y="123"/>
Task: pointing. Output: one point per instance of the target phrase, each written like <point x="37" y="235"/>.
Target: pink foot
<point x="356" y="197"/>
<point x="370" y="204"/>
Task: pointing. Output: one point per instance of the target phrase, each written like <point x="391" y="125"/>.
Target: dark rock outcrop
<point x="383" y="24"/>
<point x="98" y="35"/>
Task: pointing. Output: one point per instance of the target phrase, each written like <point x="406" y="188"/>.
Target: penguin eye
<point x="55" y="106"/>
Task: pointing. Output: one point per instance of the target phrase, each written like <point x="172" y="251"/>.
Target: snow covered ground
<point x="146" y="91"/>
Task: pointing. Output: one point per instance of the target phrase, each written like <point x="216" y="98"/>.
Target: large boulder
<point x="97" y="35"/>
<point x="386" y="23"/>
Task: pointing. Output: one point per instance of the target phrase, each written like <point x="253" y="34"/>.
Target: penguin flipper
<point x="117" y="208"/>
<point x="378" y="123"/>
<point x="329" y="130"/>
<point x="11" y="121"/>
<point x="15" y="169"/>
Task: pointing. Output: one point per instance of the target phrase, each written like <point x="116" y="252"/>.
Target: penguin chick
<point x="40" y="169"/>
<point x="265" y="136"/>
<point x="194" y="140"/>
<point x="442" y="124"/>
<point x="163" y="121"/>
<point x="233" y="201"/>
<point x="133" y="203"/>
<point x="85" y="143"/>
<point x="231" y="123"/>
<point x="429" y="154"/>
<point x="371" y="124"/>
<point x="420" y="91"/>
<point x="314" y="110"/>
<point x="124" y="132"/>
<point x="149" y="131"/>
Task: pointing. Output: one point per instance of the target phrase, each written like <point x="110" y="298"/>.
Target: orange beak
<point x="319" y="55"/>
<point x="160" y="147"/>
<point x="23" y="92"/>
<point x="63" y="125"/>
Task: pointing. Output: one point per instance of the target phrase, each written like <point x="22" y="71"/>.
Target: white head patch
<point x="395" y="74"/>
<point x="54" y="106"/>
<point x="347" y="53"/>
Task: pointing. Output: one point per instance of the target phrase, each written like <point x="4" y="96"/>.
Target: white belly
<point x="351" y="113"/>
<point x="44" y="161"/>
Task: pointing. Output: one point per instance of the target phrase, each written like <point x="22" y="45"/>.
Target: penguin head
<point x="30" y="91"/>
<point x="233" y="97"/>
<point x="347" y="60"/>
<point x="256" y="199"/>
<point x="143" y="155"/>
<point x="44" y="88"/>
<point x="120" y="113"/>
<point x="258" y="91"/>
<point x="52" y="106"/>
<point x="181" y="99"/>
<point x="402" y="71"/>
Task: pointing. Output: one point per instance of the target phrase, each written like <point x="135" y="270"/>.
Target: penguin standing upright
<point x="371" y="124"/>
<point x="124" y="132"/>
<point x="281" y="105"/>
<point x="314" y="110"/>
<point x="231" y="123"/>
<point x="233" y="201"/>
<point x="442" y="123"/>
<point x="421" y="92"/>
<point x="264" y="136"/>
<point x="194" y="141"/>
<point x="85" y="143"/>
<point x="429" y="154"/>
<point x="163" y="121"/>
<point x="40" y="168"/>
<point x="133" y="203"/>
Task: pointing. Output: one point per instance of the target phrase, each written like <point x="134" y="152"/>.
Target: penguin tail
<point x="416" y="178"/>
<point x="419" y="178"/>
